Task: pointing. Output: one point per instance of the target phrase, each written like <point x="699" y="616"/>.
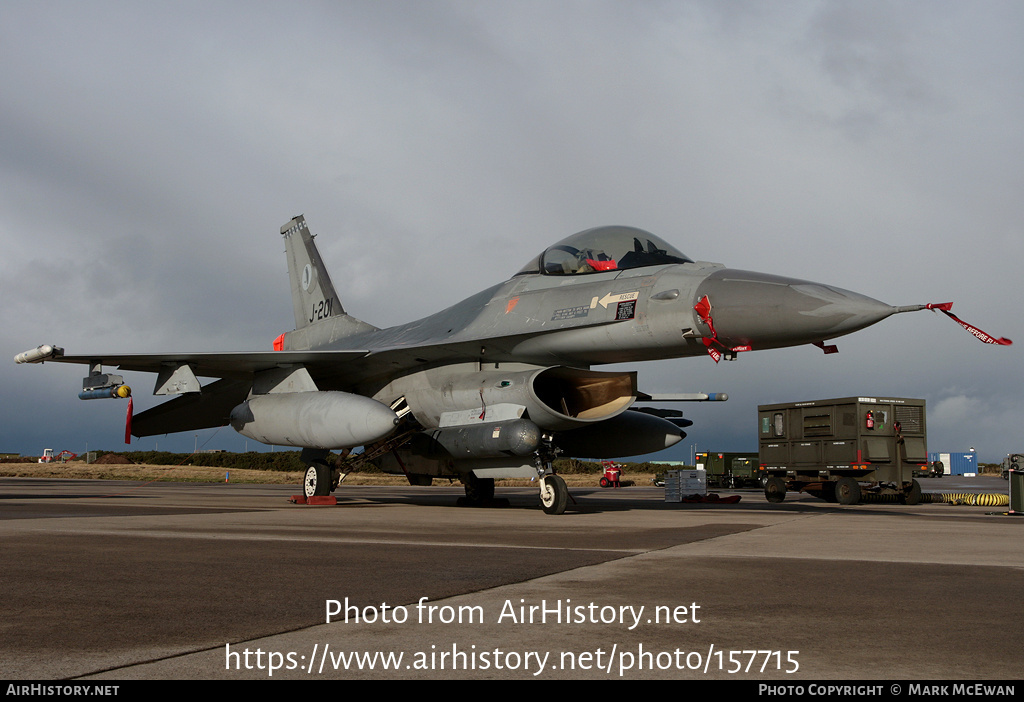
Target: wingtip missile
<point x="39" y="354"/>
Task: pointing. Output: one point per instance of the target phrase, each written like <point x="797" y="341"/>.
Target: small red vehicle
<point x="612" y="471"/>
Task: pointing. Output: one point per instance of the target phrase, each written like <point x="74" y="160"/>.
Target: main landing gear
<point x="320" y="479"/>
<point x="479" y="492"/>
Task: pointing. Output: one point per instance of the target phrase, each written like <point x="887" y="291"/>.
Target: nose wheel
<point x="554" y="495"/>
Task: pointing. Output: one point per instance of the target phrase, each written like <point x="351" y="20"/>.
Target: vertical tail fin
<point x="313" y="295"/>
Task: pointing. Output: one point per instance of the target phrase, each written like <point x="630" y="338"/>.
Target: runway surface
<point x="121" y="580"/>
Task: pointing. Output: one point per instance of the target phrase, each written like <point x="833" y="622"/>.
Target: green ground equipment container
<point x="841" y="448"/>
<point x="730" y="470"/>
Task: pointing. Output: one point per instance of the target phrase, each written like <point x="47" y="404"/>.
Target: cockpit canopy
<point x="604" y="249"/>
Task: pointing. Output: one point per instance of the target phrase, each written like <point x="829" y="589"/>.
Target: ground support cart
<point x="840" y="449"/>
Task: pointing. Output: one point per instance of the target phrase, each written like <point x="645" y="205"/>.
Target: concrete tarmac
<point x="122" y="580"/>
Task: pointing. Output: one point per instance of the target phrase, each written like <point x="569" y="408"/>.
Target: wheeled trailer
<point x="730" y="470"/>
<point x="841" y="449"/>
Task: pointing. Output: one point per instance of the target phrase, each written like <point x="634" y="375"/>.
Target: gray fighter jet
<point x="497" y="385"/>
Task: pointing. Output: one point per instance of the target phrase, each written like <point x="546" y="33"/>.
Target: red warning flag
<point x="944" y="307"/>
<point x="715" y="354"/>
<point x="703" y="310"/>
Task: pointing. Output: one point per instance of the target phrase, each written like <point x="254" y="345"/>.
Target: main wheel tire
<point x="603" y="482"/>
<point x="478" y="489"/>
<point x="317" y="482"/>
<point x="554" y="495"/>
<point x="847" y="491"/>
<point x="775" y="489"/>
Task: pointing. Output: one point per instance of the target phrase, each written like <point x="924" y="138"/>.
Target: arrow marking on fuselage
<point x="614" y="297"/>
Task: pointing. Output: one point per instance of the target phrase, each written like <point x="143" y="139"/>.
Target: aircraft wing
<point x="199" y="407"/>
<point x="195" y="410"/>
<point x="211" y="365"/>
<point x="330" y="368"/>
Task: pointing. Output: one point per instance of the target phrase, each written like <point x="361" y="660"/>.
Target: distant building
<point x="956" y="463"/>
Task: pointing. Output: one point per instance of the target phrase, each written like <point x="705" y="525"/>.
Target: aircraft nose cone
<point x="764" y="311"/>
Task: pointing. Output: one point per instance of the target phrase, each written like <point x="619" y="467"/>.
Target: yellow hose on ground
<point x="976" y="499"/>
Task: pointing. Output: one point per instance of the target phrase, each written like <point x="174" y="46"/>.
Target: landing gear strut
<point x="554" y="495"/>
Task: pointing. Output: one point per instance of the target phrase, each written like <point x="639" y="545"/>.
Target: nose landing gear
<point x="554" y="495"/>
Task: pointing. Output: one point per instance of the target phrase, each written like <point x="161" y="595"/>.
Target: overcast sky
<point x="150" y="152"/>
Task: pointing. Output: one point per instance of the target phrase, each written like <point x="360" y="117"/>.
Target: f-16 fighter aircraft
<point x="499" y="384"/>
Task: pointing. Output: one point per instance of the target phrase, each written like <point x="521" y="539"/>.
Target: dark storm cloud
<point x="149" y="153"/>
